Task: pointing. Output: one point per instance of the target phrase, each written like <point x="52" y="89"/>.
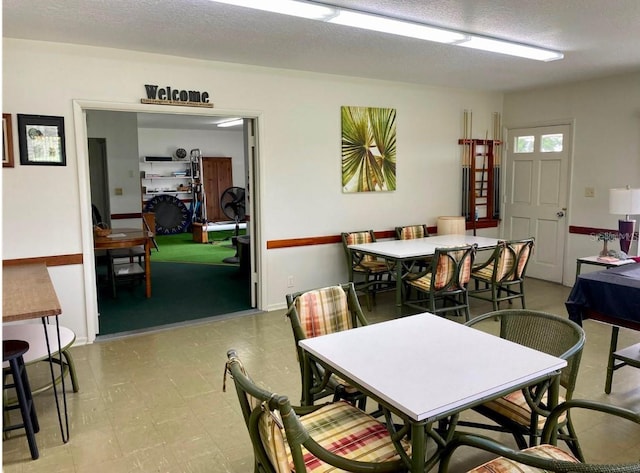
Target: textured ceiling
<point x="598" y="37"/>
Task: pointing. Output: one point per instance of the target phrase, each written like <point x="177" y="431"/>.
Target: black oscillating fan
<point x="232" y="202"/>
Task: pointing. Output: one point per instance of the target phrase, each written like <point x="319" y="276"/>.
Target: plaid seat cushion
<point x="339" y="428"/>
<point x="372" y="266"/>
<point x="514" y="406"/>
<point x="504" y="465"/>
<point x="323" y="311"/>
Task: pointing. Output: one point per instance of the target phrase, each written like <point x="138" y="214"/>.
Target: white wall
<point x="212" y="143"/>
<point x="606" y="113"/>
<point x="120" y="131"/>
<point x="300" y="193"/>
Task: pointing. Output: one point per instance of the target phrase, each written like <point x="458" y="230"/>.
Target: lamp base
<point x="625" y="229"/>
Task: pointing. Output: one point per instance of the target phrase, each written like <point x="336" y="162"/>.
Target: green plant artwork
<point x="368" y="149"/>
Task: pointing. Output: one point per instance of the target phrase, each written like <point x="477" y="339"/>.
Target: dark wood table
<point x="611" y="296"/>
<point x="28" y="293"/>
<point x="129" y="238"/>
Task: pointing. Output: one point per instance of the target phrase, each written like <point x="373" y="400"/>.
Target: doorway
<point x="85" y="165"/>
<point x="536" y="194"/>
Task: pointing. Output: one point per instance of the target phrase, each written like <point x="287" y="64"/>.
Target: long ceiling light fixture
<point x="384" y="24"/>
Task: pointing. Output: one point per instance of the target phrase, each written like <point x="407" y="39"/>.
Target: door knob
<point x="560" y="214"/>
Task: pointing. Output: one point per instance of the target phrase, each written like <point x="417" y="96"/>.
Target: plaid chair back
<point x="357" y="238"/>
<point x="523" y="251"/>
<point x="451" y="264"/>
<point x="512" y="259"/>
<point x="323" y="311"/>
<point x="411" y="232"/>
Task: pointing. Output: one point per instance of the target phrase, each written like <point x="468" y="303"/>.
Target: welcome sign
<point x="170" y="96"/>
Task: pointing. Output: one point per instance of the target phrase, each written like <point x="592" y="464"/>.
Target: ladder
<point x="198" y="197"/>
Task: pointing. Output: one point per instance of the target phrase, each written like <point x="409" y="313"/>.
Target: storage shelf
<point x="155" y="178"/>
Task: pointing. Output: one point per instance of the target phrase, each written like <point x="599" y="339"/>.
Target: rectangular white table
<point x="426" y="368"/>
<point x="399" y="251"/>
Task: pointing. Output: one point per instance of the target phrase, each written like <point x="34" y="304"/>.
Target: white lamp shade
<point x="624" y="201"/>
<point x="451" y="226"/>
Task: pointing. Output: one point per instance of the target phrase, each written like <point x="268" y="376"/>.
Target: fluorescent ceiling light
<point x="286" y="7"/>
<point x="397" y="27"/>
<point x="234" y="122"/>
<point x="513" y="49"/>
<point x="384" y="24"/>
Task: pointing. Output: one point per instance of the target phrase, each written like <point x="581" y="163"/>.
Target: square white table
<point x="425" y="368"/>
<point x="406" y="250"/>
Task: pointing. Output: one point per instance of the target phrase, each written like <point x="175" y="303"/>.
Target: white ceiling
<point x="598" y="37"/>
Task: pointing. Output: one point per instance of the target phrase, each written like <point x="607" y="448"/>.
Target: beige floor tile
<point x="154" y="402"/>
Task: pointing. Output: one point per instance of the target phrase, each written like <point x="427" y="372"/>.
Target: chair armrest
<point x="563" y="407"/>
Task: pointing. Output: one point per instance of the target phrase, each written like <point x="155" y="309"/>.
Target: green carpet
<point x="180" y="292"/>
<point x="180" y="248"/>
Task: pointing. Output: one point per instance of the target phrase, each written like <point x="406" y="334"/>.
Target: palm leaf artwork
<point x="368" y="149"/>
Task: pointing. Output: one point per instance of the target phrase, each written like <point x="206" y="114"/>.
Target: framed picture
<point x="7" y="141"/>
<point x="41" y="140"/>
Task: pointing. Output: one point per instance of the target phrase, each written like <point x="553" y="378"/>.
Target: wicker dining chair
<point x="368" y="273"/>
<point x="523" y="413"/>
<point x="442" y="287"/>
<point x="411" y="232"/>
<point x="319" y="312"/>
<point x="501" y="278"/>
<point x="335" y="436"/>
<point x="543" y="458"/>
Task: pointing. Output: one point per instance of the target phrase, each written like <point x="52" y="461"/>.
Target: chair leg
<point x="572" y="440"/>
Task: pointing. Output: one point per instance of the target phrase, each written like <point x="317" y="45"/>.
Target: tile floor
<point x="154" y="402"/>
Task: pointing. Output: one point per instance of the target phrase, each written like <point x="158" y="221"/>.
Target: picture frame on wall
<point x="41" y="139"/>
<point x="7" y="141"/>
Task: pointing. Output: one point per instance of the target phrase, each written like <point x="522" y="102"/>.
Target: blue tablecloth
<point x="614" y="293"/>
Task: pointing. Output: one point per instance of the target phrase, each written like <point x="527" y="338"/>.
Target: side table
<point x="596" y="262"/>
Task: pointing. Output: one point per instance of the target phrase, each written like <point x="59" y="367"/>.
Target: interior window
<point x="523" y="144"/>
<point x="551" y="143"/>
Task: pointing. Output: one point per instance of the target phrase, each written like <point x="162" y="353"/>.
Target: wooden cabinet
<point x="217" y="176"/>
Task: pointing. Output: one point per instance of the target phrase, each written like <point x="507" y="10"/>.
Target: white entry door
<point x="536" y="194"/>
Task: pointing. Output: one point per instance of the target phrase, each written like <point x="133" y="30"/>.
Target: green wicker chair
<point x="523" y="413"/>
<point x="545" y="457"/>
<point x="501" y="277"/>
<point x="330" y="437"/>
<point x="319" y="312"/>
<point x="444" y="281"/>
<point x="411" y="232"/>
<point x="368" y="273"/>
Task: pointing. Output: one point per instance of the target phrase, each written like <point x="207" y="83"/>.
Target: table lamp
<point x="625" y="201"/>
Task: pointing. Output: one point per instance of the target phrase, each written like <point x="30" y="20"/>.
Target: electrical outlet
<point x="118" y="191"/>
<point x="290" y="281"/>
<point x="589" y="192"/>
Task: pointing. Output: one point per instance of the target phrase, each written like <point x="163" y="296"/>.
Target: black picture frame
<point x="41" y="139"/>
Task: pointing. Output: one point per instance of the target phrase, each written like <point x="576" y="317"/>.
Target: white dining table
<point x="425" y="368"/>
<point x="399" y="251"/>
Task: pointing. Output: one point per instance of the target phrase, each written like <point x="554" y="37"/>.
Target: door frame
<point x="506" y="161"/>
<point x="80" y="127"/>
